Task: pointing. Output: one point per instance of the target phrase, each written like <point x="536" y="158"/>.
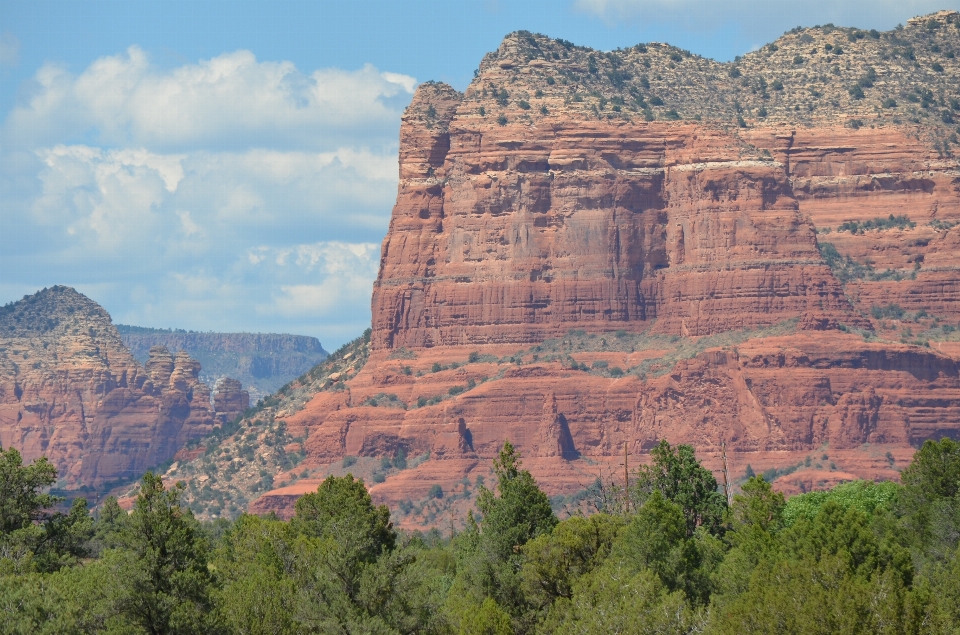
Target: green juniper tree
<point x="490" y="553"/>
<point x="32" y="536"/>
<point x="677" y="474"/>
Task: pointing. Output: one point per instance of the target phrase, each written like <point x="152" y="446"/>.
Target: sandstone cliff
<point x="594" y="249"/>
<point x="70" y="390"/>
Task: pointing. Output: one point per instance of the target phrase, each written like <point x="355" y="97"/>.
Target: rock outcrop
<point x="594" y="249"/>
<point x="230" y="399"/>
<point x="70" y="390"/>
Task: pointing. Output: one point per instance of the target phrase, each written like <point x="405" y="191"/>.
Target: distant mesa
<point x="262" y="362"/>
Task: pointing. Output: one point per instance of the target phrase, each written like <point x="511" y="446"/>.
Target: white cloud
<point x="345" y="274"/>
<point x="230" y="194"/>
<point x="229" y="101"/>
<point x="120" y="202"/>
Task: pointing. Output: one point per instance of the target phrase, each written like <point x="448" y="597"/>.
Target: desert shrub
<point x="889" y="311"/>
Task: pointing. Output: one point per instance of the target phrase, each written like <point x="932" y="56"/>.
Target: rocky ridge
<point x="809" y="77"/>
<point x="70" y="390"/>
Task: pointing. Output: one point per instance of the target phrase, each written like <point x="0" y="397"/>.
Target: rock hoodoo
<point x="263" y="362"/>
<point x="230" y="399"/>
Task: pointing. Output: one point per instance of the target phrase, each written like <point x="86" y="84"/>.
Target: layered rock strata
<point x="71" y="391"/>
<point x="230" y="399"/>
<point x="591" y="249"/>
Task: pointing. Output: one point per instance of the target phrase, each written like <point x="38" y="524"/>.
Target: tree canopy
<point x="861" y="558"/>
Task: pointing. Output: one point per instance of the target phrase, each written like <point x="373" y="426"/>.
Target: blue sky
<point x="231" y="165"/>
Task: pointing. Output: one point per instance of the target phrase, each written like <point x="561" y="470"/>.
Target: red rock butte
<point x="693" y="210"/>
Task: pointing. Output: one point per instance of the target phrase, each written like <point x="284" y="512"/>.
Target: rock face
<point x="230" y="399"/>
<point x="596" y="249"/>
<point x="70" y="390"/>
<point x="539" y="229"/>
<point x="263" y="362"/>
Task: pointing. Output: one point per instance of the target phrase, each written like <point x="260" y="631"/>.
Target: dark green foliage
<point x="878" y="224"/>
<point x="32" y="537"/>
<point x="677" y="475"/>
<point x="341" y="510"/>
<point x="516" y="511"/>
<point x="930" y="499"/>
<point x="891" y="311"/>
<point x="846" y="268"/>
<point x="758" y="506"/>
<point x="861" y="558"/>
<point x="575" y="547"/>
<point x="657" y="540"/>
<point x="21" y="501"/>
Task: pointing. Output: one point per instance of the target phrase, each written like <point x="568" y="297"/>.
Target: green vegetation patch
<point x="865" y="496"/>
<point x="846" y="269"/>
<point x="877" y="224"/>
<point x="670" y="553"/>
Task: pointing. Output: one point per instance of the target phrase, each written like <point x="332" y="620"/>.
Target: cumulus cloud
<point x="346" y="272"/>
<point x="132" y="204"/>
<point x="318" y="288"/>
<point x="230" y="194"/>
<point x="228" y="101"/>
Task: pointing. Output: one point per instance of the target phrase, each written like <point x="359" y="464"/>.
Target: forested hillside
<point x="670" y="556"/>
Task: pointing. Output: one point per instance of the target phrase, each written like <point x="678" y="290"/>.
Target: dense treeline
<point x="670" y="556"/>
